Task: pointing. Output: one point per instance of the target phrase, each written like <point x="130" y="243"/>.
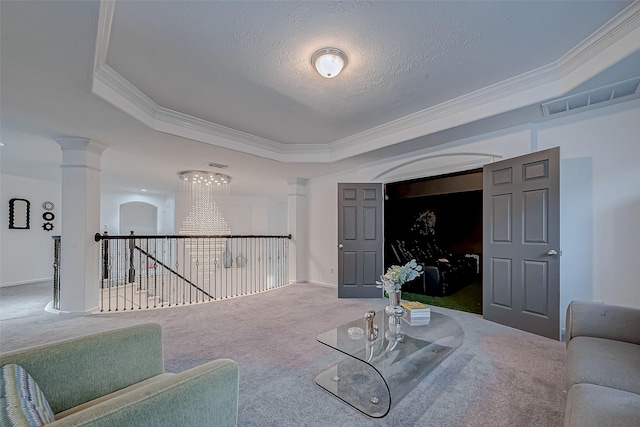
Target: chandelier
<point x="204" y="177"/>
<point x="202" y="189"/>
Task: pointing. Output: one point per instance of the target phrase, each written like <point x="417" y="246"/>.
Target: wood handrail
<point x="98" y="237"/>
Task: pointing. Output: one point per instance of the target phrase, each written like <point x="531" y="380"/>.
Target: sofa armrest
<point x="603" y="321"/>
<point x="77" y="370"/>
<point x="204" y="395"/>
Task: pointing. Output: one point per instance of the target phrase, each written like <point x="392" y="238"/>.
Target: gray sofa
<point x="117" y="378"/>
<point x="603" y="365"/>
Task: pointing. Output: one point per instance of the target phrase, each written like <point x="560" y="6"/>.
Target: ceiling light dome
<point x="329" y="61"/>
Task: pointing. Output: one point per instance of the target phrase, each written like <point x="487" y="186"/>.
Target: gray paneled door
<point x="521" y="239"/>
<point x="359" y="240"/>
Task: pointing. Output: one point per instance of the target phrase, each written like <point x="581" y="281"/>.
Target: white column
<point x="298" y="227"/>
<point x="80" y="220"/>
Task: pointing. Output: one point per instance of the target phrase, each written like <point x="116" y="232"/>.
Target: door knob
<point x="340" y="246"/>
<point x="552" y="253"/>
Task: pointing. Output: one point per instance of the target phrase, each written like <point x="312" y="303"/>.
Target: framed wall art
<point x="19" y="214"/>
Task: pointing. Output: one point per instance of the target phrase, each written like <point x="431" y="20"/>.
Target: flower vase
<point x="394" y="310"/>
<point x="227" y="257"/>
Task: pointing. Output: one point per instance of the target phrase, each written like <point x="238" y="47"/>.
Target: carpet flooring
<point x="498" y="377"/>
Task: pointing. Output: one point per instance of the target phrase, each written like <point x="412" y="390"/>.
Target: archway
<point x="139" y="217"/>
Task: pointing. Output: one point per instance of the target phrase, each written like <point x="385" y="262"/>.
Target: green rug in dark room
<point x="467" y="299"/>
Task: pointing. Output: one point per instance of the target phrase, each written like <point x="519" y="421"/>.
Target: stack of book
<point x="416" y="313"/>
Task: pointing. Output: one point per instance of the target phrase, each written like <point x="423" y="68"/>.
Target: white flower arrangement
<point x="397" y="275"/>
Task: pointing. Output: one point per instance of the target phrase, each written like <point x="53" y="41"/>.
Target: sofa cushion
<point x="109" y="396"/>
<point x="604" y="362"/>
<point x="603" y="321"/>
<point x="76" y="370"/>
<point x="592" y="405"/>
<point x="22" y="403"/>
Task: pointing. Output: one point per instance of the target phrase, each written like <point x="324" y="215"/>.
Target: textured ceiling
<point x="246" y="65"/>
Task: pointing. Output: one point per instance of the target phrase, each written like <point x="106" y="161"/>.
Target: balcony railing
<point x="141" y="272"/>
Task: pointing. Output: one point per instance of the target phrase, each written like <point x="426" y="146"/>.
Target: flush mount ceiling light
<point x="329" y="61"/>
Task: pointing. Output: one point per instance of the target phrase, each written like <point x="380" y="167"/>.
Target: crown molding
<point x="105" y="19"/>
<point x="114" y="88"/>
<point x="616" y="39"/>
<point x="597" y="51"/>
<point x="494" y="99"/>
<point x="166" y="118"/>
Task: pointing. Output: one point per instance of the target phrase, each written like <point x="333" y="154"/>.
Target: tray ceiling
<point x="238" y="74"/>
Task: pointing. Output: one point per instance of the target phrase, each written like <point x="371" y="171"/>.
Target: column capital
<point x="80" y="152"/>
<point x="69" y="143"/>
<point x="297" y="186"/>
<point x="297" y="181"/>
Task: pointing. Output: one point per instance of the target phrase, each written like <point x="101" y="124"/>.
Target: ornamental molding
<point x="615" y="40"/>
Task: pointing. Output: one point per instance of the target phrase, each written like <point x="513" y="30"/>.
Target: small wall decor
<point x="48" y="216"/>
<point x="19" y="214"/>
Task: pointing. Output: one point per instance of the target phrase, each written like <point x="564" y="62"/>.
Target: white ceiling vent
<point x="606" y="95"/>
<point x="218" y="165"/>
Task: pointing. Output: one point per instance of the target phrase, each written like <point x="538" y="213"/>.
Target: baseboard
<point x="26" y="282"/>
<point x="49" y="309"/>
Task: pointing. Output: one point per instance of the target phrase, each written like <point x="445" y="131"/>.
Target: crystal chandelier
<point x="202" y="190"/>
<point x="204" y="177"/>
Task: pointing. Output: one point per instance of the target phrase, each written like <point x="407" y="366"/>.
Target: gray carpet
<point x="498" y="377"/>
<point x="24" y="300"/>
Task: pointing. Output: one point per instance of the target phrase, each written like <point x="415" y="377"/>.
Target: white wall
<point x="256" y="215"/>
<point x="26" y="256"/>
<point x="600" y="197"/>
<point x="600" y="204"/>
<point x="110" y="201"/>
<point x="139" y="217"/>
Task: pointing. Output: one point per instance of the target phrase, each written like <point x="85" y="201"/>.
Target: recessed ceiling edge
<point x="503" y="96"/>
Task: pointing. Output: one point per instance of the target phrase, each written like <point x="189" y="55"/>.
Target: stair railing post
<point x="56" y="272"/>
<point x="105" y="258"/>
<point x="132" y="269"/>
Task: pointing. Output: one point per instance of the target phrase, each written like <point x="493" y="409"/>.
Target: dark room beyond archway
<point x="438" y="222"/>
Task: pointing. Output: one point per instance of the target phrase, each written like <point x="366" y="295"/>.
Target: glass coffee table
<point x="377" y="374"/>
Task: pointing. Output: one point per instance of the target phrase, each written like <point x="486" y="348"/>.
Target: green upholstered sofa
<point x="117" y="378"/>
<point x="603" y="365"/>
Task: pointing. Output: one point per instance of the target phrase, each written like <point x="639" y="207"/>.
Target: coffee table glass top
<point x="378" y="373"/>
